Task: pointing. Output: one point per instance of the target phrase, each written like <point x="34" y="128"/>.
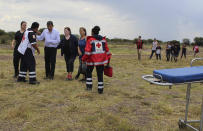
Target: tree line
<point x="7" y="37"/>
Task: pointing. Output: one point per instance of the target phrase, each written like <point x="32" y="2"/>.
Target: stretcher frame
<point x="182" y="122"/>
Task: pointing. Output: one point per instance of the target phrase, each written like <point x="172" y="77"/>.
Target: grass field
<point x="128" y="103"/>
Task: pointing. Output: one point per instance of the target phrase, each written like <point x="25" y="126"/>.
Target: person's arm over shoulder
<point x="42" y="36"/>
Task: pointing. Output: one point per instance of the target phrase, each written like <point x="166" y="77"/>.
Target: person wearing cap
<point x="27" y="49"/>
<point x="96" y="55"/>
<point x="52" y="39"/>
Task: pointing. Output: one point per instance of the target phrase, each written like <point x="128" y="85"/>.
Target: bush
<point x="4" y="39"/>
<point x="198" y="41"/>
<point x="2" y="32"/>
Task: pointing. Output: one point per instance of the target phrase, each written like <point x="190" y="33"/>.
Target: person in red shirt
<point x="196" y="49"/>
<point x="139" y="44"/>
<point x="96" y="55"/>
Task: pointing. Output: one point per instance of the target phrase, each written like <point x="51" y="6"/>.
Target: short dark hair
<point x="68" y="28"/>
<point x="35" y="25"/>
<point x="96" y="30"/>
<point x="50" y="23"/>
<point x="22" y="23"/>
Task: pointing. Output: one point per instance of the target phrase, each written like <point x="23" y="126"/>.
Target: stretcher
<point x="187" y="75"/>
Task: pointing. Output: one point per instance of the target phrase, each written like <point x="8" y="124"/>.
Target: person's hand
<point x="80" y="53"/>
<point x="38" y="51"/>
<point x="38" y="33"/>
<point x="12" y="45"/>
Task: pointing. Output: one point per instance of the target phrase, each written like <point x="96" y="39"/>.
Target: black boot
<point x="100" y="91"/>
<point x="21" y="79"/>
<point x="89" y="88"/>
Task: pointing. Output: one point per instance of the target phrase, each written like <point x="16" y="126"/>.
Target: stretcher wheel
<point x="181" y="125"/>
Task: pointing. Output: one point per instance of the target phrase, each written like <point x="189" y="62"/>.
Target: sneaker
<point x="34" y="82"/>
<point x="100" y="91"/>
<point x="70" y="77"/>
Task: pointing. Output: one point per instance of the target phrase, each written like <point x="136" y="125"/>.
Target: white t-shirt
<point x="154" y="45"/>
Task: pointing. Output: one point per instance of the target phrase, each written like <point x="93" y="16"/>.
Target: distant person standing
<point x="96" y="55"/>
<point x="154" y="45"/>
<point x="139" y="44"/>
<point x="15" y="44"/>
<point x="81" y="52"/>
<point x="174" y="52"/>
<point x="27" y="49"/>
<point x="184" y="50"/>
<point x="158" y="52"/>
<point x="196" y="50"/>
<point x="69" y="48"/>
<point x="168" y="51"/>
<point x="52" y="39"/>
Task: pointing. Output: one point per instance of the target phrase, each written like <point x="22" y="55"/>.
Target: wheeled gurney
<point x="187" y="75"/>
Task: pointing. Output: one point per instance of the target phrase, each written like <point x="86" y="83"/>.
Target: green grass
<point x="128" y="103"/>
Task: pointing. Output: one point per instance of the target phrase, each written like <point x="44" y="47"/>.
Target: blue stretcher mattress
<point x="180" y="75"/>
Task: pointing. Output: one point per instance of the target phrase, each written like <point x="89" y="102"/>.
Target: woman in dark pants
<point x="81" y="52"/>
<point x="96" y="55"/>
<point x="69" y="45"/>
<point x="15" y="43"/>
<point x="184" y="50"/>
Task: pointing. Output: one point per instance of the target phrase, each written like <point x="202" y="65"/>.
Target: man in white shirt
<point x="154" y="45"/>
<point x="52" y="39"/>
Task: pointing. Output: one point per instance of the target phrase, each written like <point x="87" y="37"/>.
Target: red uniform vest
<point x="96" y="52"/>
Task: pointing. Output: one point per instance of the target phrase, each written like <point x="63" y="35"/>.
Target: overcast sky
<point x="163" y="19"/>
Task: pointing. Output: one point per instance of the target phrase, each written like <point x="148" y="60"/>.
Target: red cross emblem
<point x="98" y="45"/>
<point x="23" y="37"/>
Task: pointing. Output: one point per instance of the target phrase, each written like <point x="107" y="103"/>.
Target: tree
<point x="198" y="41"/>
<point x="11" y="35"/>
<point x="2" y="32"/>
<point x="150" y="40"/>
<point x="186" y="41"/>
<point x="4" y="39"/>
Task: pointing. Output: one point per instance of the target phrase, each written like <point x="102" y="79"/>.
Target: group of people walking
<point x="92" y="50"/>
<point x="172" y="50"/>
